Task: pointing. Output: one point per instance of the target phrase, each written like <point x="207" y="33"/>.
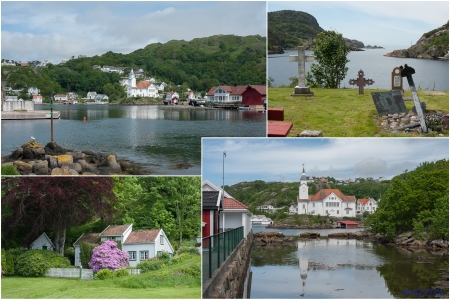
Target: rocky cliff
<point x="432" y="45"/>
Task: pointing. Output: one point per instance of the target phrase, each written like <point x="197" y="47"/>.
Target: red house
<point x="211" y="207"/>
<point x="348" y="224"/>
<point x="254" y="95"/>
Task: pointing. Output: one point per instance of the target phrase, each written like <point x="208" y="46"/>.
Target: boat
<point x="244" y="108"/>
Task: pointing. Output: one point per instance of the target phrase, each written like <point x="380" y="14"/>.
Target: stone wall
<point x="232" y="278"/>
<point x="18" y="105"/>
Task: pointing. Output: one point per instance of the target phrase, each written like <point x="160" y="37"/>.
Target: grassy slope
<point x="343" y="112"/>
<point x="160" y="284"/>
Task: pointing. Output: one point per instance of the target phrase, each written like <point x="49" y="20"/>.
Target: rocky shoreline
<point x="33" y="159"/>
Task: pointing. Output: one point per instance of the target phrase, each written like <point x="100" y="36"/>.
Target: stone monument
<point x="301" y="89"/>
<point x="361" y="82"/>
<point x="396" y="80"/>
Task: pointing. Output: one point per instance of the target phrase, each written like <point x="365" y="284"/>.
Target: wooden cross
<point x="301" y="58"/>
<point x="361" y="82"/>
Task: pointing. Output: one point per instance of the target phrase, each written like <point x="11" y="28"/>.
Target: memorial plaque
<point x="396" y="80"/>
<point x="389" y="103"/>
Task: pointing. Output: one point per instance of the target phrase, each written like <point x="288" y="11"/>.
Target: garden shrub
<point x="9" y="170"/>
<point x="188" y="249"/>
<point x="11" y="256"/>
<point x="86" y="254"/>
<point x="108" y="256"/>
<point x="150" y="265"/>
<point x="104" y="274"/>
<point x="121" y="273"/>
<point x="164" y="256"/>
<point x="34" y="263"/>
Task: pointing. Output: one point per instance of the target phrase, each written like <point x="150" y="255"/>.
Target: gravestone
<point x="361" y="82"/>
<point x="396" y="80"/>
<point x="301" y="89"/>
<point x="388" y="103"/>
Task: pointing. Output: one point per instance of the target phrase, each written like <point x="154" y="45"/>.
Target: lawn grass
<point x="160" y="284"/>
<point x="345" y="113"/>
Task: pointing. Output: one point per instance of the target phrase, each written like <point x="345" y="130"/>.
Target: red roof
<point x="363" y="201"/>
<point x="115" y="230"/>
<point x="230" y="203"/>
<point x="142" y="236"/>
<point x="322" y="194"/>
<point x="142" y="84"/>
<point x="239" y="89"/>
<point x="347" y="222"/>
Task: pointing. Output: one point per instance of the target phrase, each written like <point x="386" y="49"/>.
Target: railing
<point x="216" y="249"/>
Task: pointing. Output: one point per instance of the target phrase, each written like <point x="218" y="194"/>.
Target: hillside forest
<point x="198" y="64"/>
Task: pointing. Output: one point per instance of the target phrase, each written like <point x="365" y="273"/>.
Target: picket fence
<point x="86" y="274"/>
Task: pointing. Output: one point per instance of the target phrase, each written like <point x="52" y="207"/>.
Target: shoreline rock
<point x="34" y="159"/>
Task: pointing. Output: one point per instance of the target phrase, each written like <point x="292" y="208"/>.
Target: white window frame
<point x="161" y="240"/>
<point x="131" y="255"/>
<point x="142" y="255"/>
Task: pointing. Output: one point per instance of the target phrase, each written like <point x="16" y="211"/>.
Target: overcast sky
<point x="390" y="24"/>
<point x="272" y="159"/>
<point x="59" y="30"/>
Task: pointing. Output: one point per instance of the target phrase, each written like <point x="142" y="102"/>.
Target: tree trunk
<point x="60" y="239"/>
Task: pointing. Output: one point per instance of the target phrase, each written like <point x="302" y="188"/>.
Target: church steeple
<point x="302" y="191"/>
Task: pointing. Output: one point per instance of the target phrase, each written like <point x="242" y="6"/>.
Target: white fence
<point x="86" y="274"/>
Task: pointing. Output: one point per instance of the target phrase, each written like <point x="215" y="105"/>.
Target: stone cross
<point x="361" y="82"/>
<point x="301" y="58"/>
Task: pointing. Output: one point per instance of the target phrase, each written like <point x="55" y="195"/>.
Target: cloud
<point x="371" y="167"/>
<point x="58" y="30"/>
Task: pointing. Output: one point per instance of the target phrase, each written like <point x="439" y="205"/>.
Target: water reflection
<point x="332" y="268"/>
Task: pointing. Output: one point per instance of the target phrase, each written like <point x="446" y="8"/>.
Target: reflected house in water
<point x="251" y="96"/>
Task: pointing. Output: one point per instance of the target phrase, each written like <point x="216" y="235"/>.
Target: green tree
<point x="415" y="200"/>
<point x="330" y="53"/>
<point x="86" y="253"/>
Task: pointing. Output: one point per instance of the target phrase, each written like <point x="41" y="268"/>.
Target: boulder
<point x="63" y="159"/>
<point x="74" y="166"/>
<point x="112" y="164"/>
<point x="40" y="167"/>
<point x="86" y="167"/>
<point x="52" y="148"/>
<point x="33" y="150"/>
<point x="64" y="170"/>
<point x="23" y="167"/>
<point x="52" y="162"/>
<point x="18" y="153"/>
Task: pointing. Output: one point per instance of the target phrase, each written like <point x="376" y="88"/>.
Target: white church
<point x="325" y="202"/>
<point x="143" y="88"/>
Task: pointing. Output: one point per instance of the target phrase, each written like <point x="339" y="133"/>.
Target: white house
<point x="33" y="90"/>
<point x="43" y="242"/>
<point x="365" y="204"/>
<point x="37" y="99"/>
<point x="265" y="207"/>
<point x="101" y="98"/>
<point x="234" y="213"/>
<point x="91" y="95"/>
<point x="325" y="202"/>
<point x="143" y="88"/>
<point x="293" y="209"/>
<point x="60" y="97"/>
<point x="139" y="244"/>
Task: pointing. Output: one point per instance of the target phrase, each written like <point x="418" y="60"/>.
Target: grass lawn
<point x="345" y="113"/>
<point x="161" y="284"/>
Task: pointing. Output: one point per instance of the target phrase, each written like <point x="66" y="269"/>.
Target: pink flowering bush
<point x="108" y="256"/>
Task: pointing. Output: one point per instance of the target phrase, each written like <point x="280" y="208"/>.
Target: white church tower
<point x="132" y="79"/>
<point x="302" y="191"/>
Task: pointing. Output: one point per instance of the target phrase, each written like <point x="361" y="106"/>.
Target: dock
<point x="29" y="115"/>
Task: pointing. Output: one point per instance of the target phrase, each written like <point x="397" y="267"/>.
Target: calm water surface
<point x="146" y="134"/>
<point x="332" y="268"/>
<point x="430" y="74"/>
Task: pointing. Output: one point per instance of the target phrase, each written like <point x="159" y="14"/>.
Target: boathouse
<point x="347" y="224"/>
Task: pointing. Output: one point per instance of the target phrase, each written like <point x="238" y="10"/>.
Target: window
<point x="44" y="247"/>
<point x="303" y="206"/>
<point x="132" y="255"/>
<point x="338" y="212"/>
<point x="314" y="205"/>
<point x="347" y="211"/>
<point x="326" y="212"/>
<point x="144" y="255"/>
<point x="161" y="240"/>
